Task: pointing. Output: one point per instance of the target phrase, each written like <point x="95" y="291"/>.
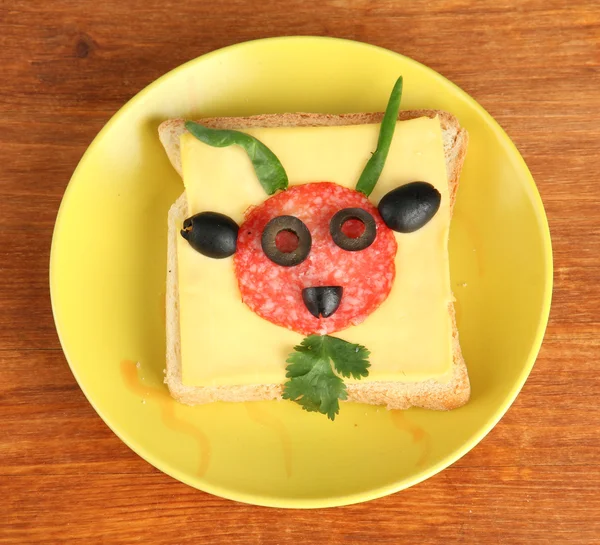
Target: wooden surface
<point x="67" y="66"/>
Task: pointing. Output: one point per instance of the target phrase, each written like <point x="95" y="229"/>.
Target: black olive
<point x="322" y="300"/>
<point x="212" y="234"/>
<point x="269" y="236"/>
<point x="409" y="207"/>
<point x="348" y="243"/>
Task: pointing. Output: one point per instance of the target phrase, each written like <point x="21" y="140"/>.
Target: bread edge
<point x="429" y="394"/>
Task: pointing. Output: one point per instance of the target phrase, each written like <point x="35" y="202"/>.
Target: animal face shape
<point x="296" y="258"/>
<point x="303" y="297"/>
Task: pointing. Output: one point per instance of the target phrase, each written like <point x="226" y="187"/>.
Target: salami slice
<point x="275" y="292"/>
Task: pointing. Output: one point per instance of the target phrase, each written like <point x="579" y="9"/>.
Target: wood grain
<point x="68" y="65"/>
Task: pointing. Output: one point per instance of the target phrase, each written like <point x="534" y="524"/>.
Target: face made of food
<point x="318" y="257"/>
<point x="324" y="288"/>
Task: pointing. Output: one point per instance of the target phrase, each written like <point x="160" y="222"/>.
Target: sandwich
<point x="308" y="259"/>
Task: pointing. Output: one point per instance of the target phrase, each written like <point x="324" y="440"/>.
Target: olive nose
<point x="322" y="300"/>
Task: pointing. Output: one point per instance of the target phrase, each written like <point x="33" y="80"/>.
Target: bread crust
<point x="429" y="394"/>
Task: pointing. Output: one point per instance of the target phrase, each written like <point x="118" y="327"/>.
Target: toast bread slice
<point x="429" y="394"/>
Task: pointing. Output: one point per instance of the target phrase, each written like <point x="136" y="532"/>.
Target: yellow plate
<point x="107" y="276"/>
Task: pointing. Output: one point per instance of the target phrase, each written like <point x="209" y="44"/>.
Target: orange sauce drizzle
<point x="419" y="435"/>
<point x="167" y="404"/>
<point x="265" y="418"/>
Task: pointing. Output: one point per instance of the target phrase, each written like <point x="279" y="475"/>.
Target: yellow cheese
<point x="224" y="343"/>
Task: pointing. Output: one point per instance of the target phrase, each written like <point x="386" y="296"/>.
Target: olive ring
<point x="361" y="242"/>
<point x="294" y="225"/>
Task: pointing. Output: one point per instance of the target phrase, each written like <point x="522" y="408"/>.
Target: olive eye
<point x="212" y="234"/>
<point x="353" y="229"/>
<point x="286" y="241"/>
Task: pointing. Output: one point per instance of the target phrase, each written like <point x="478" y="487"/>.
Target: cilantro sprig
<point x="313" y="382"/>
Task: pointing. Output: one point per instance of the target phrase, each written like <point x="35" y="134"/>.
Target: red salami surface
<point x="275" y="292"/>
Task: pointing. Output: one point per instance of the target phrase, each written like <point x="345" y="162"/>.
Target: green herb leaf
<point x="313" y="383"/>
<point x="374" y="166"/>
<point x="349" y="360"/>
<point x="268" y="168"/>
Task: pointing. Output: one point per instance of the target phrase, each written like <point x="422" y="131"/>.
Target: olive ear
<point x="410" y="206"/>
<point x="212" y="234"/>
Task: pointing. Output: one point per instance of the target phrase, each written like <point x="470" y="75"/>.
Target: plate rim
<point x="267" y="500"/>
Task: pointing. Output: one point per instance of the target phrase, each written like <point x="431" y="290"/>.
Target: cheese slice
<point x="224" y="343"/>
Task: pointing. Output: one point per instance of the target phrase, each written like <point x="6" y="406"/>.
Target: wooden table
<point x="67" y="66"/>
